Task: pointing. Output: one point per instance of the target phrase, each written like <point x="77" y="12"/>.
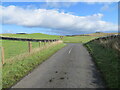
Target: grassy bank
<point x="12" y="72"/>
<point x="107" y="60"/>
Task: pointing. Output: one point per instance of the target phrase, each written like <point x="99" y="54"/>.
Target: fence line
<point x="39" y="43"/>
<point x="26" y="39"/>
<point x="106" y="37"/>
<point x="29" y="45"/>
<point x="2" y="55"/>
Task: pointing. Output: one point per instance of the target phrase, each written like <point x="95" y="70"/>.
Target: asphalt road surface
<point x="70" y="67"/>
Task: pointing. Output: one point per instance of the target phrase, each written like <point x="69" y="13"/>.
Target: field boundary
<point x="107" y="41"/>
<point x="106" y="37"/>
<point x="26" y="54"/>
<point x="27" y="39"/>
<point x="46" y="41"/>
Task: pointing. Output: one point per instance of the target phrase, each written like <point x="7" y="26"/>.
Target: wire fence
<point x="12" y="47"/>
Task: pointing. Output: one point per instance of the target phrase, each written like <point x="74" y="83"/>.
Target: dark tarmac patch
<point x="65" y="73"/>
<point x="56" y="72"/>
<point x="62" y="78"/>
<point x="51" y="80"/>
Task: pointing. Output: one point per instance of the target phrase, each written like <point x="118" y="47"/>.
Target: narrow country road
<point x="70" y="67"/>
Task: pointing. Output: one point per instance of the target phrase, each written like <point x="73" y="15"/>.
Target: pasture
<point x="33" y="36"/>
<point x="66" y="39"/>
<point x="13" y="48"/>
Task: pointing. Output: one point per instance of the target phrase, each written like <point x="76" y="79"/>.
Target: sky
<point x="59" y="18"/>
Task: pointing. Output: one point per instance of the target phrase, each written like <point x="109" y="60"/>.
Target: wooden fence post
<point x="39" y="43"/>
<point x="44" y="43"/>
<point x="2" y="55"/>
<point x="30" y="46"/>
<point x="49" y="42"/>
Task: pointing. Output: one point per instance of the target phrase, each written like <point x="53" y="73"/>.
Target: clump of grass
<point x="107" y="60"/>
<point x="13" y="72"/>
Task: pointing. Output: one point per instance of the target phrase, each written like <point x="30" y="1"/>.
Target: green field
<point x="13" y="72"/>
<point x="106" y="58"/>
<point x="77" y="39"/>
<point x="33" y="36"/>
<point x="13" y="48"/>
<point x="66" y="39"/>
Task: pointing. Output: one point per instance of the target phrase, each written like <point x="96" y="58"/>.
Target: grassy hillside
<point x="34" y="35"/>
<point x="66" y="39"/>
<point x="101" y="34"/>
<point x="77" y="39"/>
<point x="107" y="58"/>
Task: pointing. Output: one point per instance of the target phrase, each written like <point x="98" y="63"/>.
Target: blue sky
<point x="107" y="12"/>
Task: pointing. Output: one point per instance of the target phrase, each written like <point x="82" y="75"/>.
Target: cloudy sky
<point x="59" y="18"/>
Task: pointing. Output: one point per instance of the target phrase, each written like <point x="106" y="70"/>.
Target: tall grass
<point x="107" y="59"/>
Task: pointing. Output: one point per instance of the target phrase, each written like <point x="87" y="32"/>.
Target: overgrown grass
<point x="107" y="60"/>
<point x="12" y="72"/>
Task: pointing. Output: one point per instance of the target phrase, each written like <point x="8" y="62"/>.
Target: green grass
<point x="66" y="39"/>
<point x="78" y="39"/>
<point x="107" y="61"/>
<point x="12" y="72"/>
<point x="33" y="36"/>
<point x="13" y="48"/>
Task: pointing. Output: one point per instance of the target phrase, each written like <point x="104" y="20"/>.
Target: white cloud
<point x="60" y="0"/>
<point x="105" y="7"/>
<point x="54" y="19"/>
<point x="59" y="4"/>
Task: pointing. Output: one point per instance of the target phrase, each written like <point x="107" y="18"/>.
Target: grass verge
<point x="107" y="60"/>
<point x="13" y="72"/>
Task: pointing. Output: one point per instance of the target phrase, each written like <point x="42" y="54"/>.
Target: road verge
<point x="13" y="72"/>
<point x="107" y="60"/>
